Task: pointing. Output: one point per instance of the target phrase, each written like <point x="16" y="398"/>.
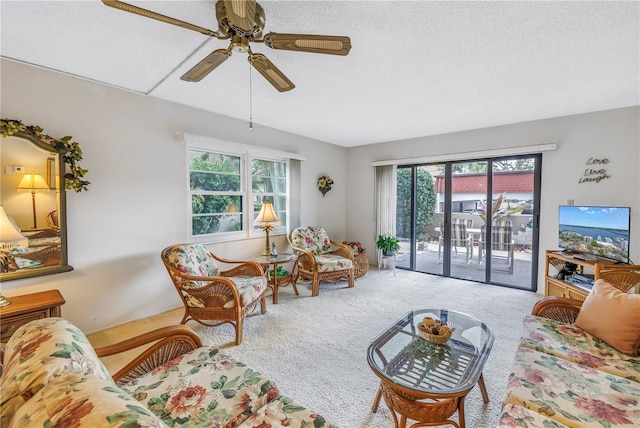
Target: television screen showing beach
<point x="601" y="231"/>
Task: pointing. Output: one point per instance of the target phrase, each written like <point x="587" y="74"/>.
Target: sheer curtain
<point x="385" y="201"/>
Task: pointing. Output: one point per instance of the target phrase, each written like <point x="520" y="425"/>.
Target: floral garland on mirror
<point x="71" y="152"/>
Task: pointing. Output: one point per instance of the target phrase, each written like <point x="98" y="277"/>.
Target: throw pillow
<point x="613" y="316"/>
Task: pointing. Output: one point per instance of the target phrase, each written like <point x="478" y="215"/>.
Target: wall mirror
<point x="33" y="220"/>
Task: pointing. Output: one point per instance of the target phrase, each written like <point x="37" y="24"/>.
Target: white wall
<point x="612" y="134"/>
<point x="136" y="203"/>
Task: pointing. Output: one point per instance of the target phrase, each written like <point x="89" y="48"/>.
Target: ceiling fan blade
<point x="335" y="45"/>
<point x="157" y="16"/>
<point x="241" y="14"/>
<point x="206" y="66"/>
<point x="271" y="72"/>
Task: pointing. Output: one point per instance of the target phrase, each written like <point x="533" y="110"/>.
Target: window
<point x="269" y="181"/>
<point x="225" y="196"/>
<point x="217" y="202"/>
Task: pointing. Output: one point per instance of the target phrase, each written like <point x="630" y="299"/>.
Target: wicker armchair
<point x="209" y="294"/>
<point x="320" y="258"/>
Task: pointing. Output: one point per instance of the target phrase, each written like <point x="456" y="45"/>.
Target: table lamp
<point x="267" y="218"/>
<point x="10" y="238"/>
<point x="33" y="183"/>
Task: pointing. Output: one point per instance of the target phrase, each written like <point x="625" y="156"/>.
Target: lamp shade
<point x="33" y="183"/>
<point x="10" y="236"/>
<point x="267" y="216"/>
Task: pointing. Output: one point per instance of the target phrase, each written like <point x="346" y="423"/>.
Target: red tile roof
<point x="503" y="182"/>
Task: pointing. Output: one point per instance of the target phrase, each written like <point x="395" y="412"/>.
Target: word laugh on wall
<point x="595" y="173"/>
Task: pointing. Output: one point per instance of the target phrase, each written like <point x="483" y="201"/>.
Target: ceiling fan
<point x="242" y="21"/>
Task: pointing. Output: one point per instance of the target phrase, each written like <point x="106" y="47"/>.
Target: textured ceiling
<point x="416" y="68"/>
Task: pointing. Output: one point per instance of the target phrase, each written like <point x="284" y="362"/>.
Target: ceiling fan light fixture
<point x="239" y="44"/>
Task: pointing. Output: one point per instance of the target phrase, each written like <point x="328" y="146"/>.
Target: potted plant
<point x="388" y="244"/>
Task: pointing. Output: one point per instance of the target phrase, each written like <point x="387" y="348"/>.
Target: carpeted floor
<point x="315" y="348"/>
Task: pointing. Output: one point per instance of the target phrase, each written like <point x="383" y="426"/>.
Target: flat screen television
<point x="597" y="231"/>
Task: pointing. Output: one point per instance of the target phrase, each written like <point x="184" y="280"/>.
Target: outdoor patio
<point x="427" y="261"/>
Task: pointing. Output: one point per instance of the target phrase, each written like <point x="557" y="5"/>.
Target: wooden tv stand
<point x="555" y="260"/>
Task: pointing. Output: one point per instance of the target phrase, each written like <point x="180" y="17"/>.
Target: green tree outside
<point x="426" y="202"/>
<point x="211" y="172"/>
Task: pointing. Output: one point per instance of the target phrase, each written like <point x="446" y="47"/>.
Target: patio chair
<point x="320" y="258"/>
<point x="459" y="238"/>
<point x="501" y="242"/>
<point x="210" y="294"/>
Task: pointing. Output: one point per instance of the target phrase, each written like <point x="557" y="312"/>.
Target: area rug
<point x="314" y="348"/>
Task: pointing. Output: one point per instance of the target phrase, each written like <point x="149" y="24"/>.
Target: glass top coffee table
<point x="424" y="381"/>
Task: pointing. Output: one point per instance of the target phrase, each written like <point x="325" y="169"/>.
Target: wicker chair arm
<point x="238" y="262"/>
<point x="244" y="269"/>
<point x="343" y="250"/>
<point x="45" y="233"/>
<point x="170" y="342"/>
<point x="306" y="258"/>
<point x="558" y="308"/>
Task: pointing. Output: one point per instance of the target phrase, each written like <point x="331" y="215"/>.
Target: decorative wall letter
<point x="595" y="172"/>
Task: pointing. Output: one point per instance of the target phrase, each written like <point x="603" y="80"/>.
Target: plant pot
<point x="388" y="253"/>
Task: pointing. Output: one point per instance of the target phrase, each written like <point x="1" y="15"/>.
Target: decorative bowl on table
<point x="435" y="331"/>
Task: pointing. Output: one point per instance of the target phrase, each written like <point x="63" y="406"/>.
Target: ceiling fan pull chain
<point x="250" y="100"/>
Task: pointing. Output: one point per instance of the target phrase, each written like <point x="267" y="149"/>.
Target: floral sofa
<point x="53" y="377"/>
<point x="565" y="376"/>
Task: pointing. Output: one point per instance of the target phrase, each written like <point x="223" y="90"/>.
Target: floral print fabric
<point x="571" y="343"/>
<point x="332" y="263"/>
<point x="572" y="394"/>
<point x="81" y="400"/>
<point x="518" y="417"/>
<point x="284" y="412"/>
<point x="193" y="260"/>
<point x="203" y="388"/>
<point x="37" y="353"/>
<point x="312" y="238"/>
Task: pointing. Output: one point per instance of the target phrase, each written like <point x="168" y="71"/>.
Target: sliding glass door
<point x="474" y="220"/>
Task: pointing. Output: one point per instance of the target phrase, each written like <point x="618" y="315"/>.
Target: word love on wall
<point x="595" y="171"/>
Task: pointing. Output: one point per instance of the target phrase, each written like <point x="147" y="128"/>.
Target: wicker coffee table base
<point x="428" y="409"/>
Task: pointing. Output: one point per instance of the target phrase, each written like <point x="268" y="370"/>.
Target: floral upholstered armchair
<point x="320" y="258"/>
<point x="209" y="294"/>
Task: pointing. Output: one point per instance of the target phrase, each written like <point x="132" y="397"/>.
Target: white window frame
<point x="246" y="154"/>
<point x="282" y="228"/>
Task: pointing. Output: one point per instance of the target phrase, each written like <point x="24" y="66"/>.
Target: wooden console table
<point x="27" y="308"/>
<point x="619" y="274"/>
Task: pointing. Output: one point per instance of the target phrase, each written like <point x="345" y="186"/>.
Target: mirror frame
<point x="62" y="214"/>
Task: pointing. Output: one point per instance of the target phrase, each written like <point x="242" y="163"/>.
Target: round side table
<point x="269" y="263"/>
